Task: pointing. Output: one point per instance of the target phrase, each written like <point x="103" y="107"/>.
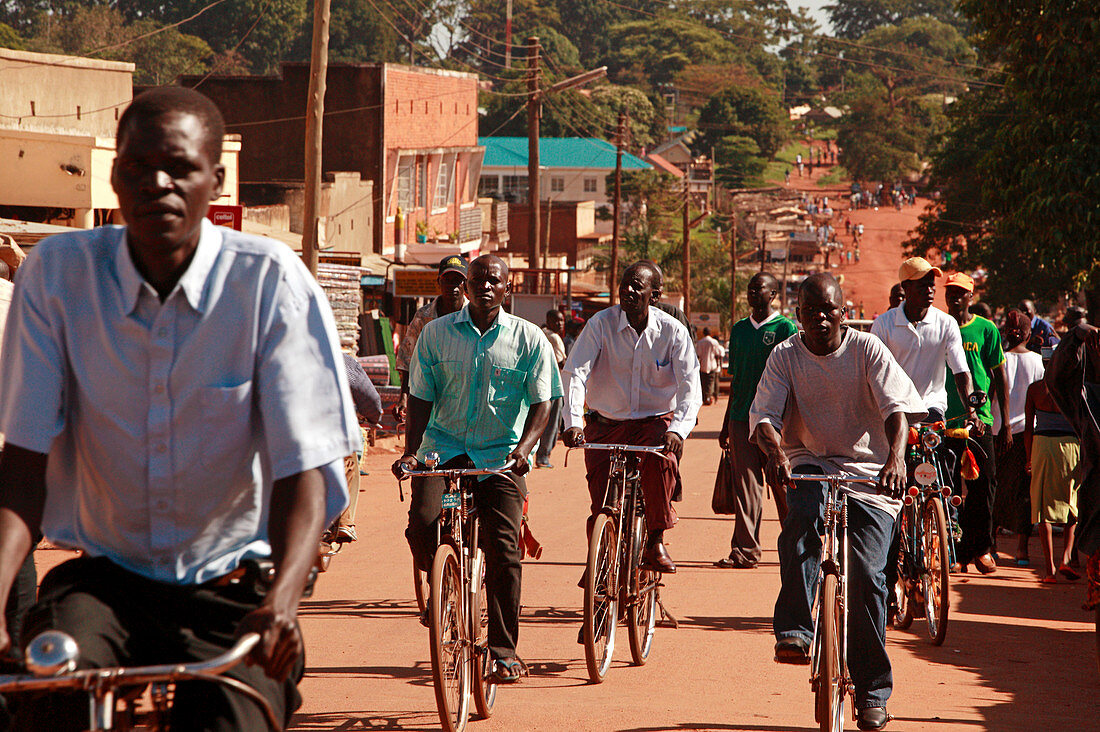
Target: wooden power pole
<point x="686" y="253"/>
<point x="613" y="274"/>
<point x="733" y="270"/>
<point x="315" y="112"/>
<point x="534" y="109"/>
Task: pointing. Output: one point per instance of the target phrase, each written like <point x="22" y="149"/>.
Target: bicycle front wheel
<point x="481" y="680"/>
<point x="600" y="598"/>
<point x="829" y="699"/>
<point x="936" y="575"/>
<point x="641" y="613"/>
<point x="903" y="588"/>
<point x="448" y="629"/>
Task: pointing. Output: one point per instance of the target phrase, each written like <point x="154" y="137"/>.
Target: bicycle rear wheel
<point x="903" y="589"/>
<point x="600" y="598"/>
<point x="828" y="692"/>
<point x="936" y="574"/>
<point x="641" y="613"/>
<point x="485" y="689"/>
<point x="450" y="642"/>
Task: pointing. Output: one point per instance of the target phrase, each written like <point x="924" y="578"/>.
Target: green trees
<point x="854" y="18"/>
<point x="743" y="112"/>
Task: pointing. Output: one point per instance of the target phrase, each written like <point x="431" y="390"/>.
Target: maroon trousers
<point x="658" y="475"/>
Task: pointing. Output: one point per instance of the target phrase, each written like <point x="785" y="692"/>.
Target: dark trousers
<point x="120" y="618"/>
<point x="709" y="383"/>
<point x="659" y="476"/>
<point x="747" y="462"/>
<point x="976" y="512"/>
<point x="870" y="532"/>
<point x="21" y="599"/>
<point x="499" y="502"/>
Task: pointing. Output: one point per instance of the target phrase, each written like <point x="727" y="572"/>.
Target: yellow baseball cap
<point x="916" y="267"/>
<point x="958" y="279"/>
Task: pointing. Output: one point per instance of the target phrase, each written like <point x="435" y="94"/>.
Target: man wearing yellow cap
<point x="923" y="338"/>
<point x="986" y="359"/>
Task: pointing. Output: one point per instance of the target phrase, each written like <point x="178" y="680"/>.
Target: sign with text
<point x="705" y="320"/>
<point x="415" y="282"/>
<point x="228" y="216"/>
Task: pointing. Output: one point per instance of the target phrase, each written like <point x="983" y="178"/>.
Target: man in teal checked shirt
<point x="480" y="385"/>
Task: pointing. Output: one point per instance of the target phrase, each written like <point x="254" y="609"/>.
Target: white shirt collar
<point x="192" y="281"/>
<point x="650" y="324"/>
<point x="765" y="321"/>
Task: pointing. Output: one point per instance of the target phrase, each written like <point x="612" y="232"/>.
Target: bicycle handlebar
<point x="839" y="479"/>
<point x="625" y="448"/>
<point x="454" y="472"/>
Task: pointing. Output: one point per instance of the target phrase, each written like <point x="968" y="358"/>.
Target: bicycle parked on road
<point x="927" y="548"/>
<point x="615" y="582"/>
<point x="52" y="656"/>
<point x="829" y="676"/>
<point x="457" y="610"/>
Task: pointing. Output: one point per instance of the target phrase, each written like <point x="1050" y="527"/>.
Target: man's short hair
<point x="822" y="282"/>
<point x="164" y="100"/>
<point x="706" y="331"/>
<point x="654" y="269"/>
<point x="552" y="313"/>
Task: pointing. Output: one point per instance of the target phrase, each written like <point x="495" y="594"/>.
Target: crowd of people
<point x="176" y="406"/>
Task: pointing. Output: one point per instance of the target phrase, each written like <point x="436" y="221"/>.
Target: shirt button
<point x="161" y="505"/>
<point x="162" y="332"/>
<point x="161" y="447"/>
<point x="159" y="388"/>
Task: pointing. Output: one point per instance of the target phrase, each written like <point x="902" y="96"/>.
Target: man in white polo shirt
<point x="923" y="338"/>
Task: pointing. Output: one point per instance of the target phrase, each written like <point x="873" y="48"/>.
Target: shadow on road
<point x="358" y="608"/>
<point x="335" y="721"/>
<point x="419" y="672"/>
<point x="722" y="622"/>
<point x="721" y="726"/>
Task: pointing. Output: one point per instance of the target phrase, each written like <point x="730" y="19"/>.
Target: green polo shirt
<point x="748" y="353"/>
<point x="982" y="345"/>
<point x="481" y="385"/>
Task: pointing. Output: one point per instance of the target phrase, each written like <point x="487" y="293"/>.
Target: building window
<point x="444" y="183"/>
<point x="422" y="181"/>
<point x="406" y="171"/>
<point x="515" y="188"/>
<point x="489" y="186"/>
<point x="557" y="184"/>
<point x="590" y="185"/>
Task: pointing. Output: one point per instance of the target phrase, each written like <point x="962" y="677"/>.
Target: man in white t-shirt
<point x="555" y="326"/>
<point x="833" y="400"/>
<point x="923" y="338"/>
<point x="710" y="354"/>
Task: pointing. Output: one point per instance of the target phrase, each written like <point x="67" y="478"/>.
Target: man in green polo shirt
<point x="751" y="342"/>
<point x="480" y="385"/>
<point x="982" y="345"/>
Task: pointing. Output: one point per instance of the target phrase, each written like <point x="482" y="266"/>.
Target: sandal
<point x="1069" y="572"/>
<point x="1049" y="580"/>
<point x="507" y="670"/>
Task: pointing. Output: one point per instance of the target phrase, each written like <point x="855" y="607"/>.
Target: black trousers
<point x="976" y="512"/>
<point x="21" y="598"/>
<point x="499" y="502"/>
<point x="120" y="618"/>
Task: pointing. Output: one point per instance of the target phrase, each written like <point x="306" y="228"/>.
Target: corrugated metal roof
<point x="557" y="152"/>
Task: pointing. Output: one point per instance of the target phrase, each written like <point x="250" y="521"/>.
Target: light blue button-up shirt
<point x="166" y="424"/>
<point x="481" y="385"/>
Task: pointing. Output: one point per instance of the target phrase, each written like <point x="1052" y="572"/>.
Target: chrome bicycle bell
<point x="431" y="459"/>
<point x="51" y="654"/>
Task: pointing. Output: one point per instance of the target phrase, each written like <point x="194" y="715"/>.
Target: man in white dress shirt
<point x="175" y="408"/>
<point x="637" y="369"/>
<point x="710" y="353"/>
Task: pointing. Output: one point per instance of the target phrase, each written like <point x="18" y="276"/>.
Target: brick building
<point x="411" y="132"/>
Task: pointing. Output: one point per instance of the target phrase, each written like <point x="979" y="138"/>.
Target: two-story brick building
<point x="411" y="132"/>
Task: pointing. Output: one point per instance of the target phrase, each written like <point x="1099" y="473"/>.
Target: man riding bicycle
<point x="480" y="385"/>
<point x="176" y="408"/>
<point x="834" y="400"/>
<point x="637" y="369"/>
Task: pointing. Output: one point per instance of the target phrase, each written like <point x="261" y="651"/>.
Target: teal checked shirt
<point x="481" y="385"/>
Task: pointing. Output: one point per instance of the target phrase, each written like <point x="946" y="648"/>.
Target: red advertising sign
<point x="228" y="216"/>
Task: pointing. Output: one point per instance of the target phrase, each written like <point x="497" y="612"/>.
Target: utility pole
<point x="315" y="112"/>
<point x="613" y="275"/>
<point x="686" y="253"/>
<point x="786" y="269"/>
<point x="508" y="35"/>
<point x="733" y="270"/>
<point x="534" y="110"/>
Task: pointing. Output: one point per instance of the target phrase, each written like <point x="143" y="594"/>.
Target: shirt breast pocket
<point x="507" y="393"/>
<point x="227" y="414"/>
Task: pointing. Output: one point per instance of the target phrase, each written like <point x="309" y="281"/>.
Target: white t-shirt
<point x="1021" y="371"/>
<point x="710" y="354"/>
<point x="830" y="409"/>
<point x="922" y="348"/>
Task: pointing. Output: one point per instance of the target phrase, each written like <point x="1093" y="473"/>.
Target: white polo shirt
<point x="922" y="348"/>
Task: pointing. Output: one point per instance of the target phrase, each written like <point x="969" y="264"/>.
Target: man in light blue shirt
<point x="175" y="407"/>
<point x="480" y="385"/>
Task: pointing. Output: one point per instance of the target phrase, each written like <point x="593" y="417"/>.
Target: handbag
<point x="722" y="502"/>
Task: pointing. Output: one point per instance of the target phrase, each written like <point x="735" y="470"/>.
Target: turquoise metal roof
<point x="557" y="152"/>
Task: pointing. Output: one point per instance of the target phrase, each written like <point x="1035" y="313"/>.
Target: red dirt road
<point x="1018" y="655"/>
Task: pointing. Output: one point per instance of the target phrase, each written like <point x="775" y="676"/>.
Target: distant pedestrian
<point x="787" y="176"/>
<point x="553" y="329"/>
<point x="1042" y="334"/>
<point x="710" y="354"/>
<point x="897" y="295"/>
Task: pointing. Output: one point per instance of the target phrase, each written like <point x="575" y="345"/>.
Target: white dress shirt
<point x="922" y="349"/>
<point x="710" y="354"/>
<point x="627" y="375"/>
<point x="167" y="423"/>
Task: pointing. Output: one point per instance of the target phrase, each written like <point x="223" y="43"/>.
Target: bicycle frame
<point x="55" y="651"/>
<point x="834" y="561"/>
